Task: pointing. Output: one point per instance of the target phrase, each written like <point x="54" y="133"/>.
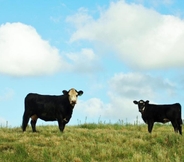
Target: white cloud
<point x="85" y="61"/>
<point x="94" y="107"/>
<point x="81" y="18"/>
<point x="119" y="108"/>
<point x="142" y="86"/>
<point x="142" y="38"/>
<point x="24" y="53"/>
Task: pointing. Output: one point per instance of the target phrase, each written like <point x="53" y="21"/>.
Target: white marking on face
<point x="141" y="106"/>
<point x="73" y="96"/>
<point x="141" y="101"/>
<point x="143" y="109"/>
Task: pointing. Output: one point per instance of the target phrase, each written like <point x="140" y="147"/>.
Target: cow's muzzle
<point x="73" y="103"/>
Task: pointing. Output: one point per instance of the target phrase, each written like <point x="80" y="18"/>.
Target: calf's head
<point x="72" y="95"/>
<point x="141" y="105"/>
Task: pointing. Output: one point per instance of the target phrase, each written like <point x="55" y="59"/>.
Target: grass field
<point x="92" y="143"/>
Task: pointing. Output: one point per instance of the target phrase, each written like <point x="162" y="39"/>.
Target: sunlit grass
<point x="91" y="143"/>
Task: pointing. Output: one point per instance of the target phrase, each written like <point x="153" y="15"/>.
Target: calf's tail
<point x="181" y="121"/>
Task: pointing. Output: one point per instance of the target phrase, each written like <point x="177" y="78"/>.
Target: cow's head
<point x="72" y="95"/>
<point x="141" y="105"/>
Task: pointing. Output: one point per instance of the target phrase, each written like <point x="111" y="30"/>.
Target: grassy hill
<point x="92" y="143"/>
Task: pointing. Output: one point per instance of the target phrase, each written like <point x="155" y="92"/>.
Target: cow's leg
<point x="179" y="121"/>
<point x="33" y="122"/>
<point x="150" y="126"/>
<point x="61" y="125"/>
<point x="180" y="129"/>
<point x="25" y="120"/>
<point x="175" y="126"/>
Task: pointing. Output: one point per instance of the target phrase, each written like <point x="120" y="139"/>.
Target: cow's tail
<point x="181" y="121"/>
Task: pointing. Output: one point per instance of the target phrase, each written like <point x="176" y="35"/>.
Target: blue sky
<point x="115" y="51"/>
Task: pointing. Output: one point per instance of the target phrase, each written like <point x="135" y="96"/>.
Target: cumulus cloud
<point x="119" y="109"/>
<point x="24" y="53"/>
<point x="85" y="61"/>
<point x="94" y="107"/>
<point x="142" y="86"/>
<point x="142" y="38"/>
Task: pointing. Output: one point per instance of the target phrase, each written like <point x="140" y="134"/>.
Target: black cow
<point x="50" y="108"/>
<point x="160" y="113"/>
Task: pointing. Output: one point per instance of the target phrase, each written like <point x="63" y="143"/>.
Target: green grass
<point x="92" y="143"/>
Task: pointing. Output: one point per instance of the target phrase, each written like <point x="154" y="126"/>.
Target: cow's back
<point x="47" y="107"/>
<point x="160" y="112"/>
<point x="36" y="102"/>
<point x="166" y="107"/>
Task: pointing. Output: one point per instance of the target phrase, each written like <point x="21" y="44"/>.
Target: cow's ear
<point x="80" y="93"/>
<point x="65" y="92"/>
<point x="135" y="102"/>
<point x="147" y="102"/>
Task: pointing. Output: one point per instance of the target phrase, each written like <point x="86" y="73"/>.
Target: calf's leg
<point x="175" y="125"/>
<point x="179" y="121"/>
<point x="33" y="125"/>
<point x="180" y="129"/>
<point x="150" y="126"/>
<point x="33" y="122"/>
